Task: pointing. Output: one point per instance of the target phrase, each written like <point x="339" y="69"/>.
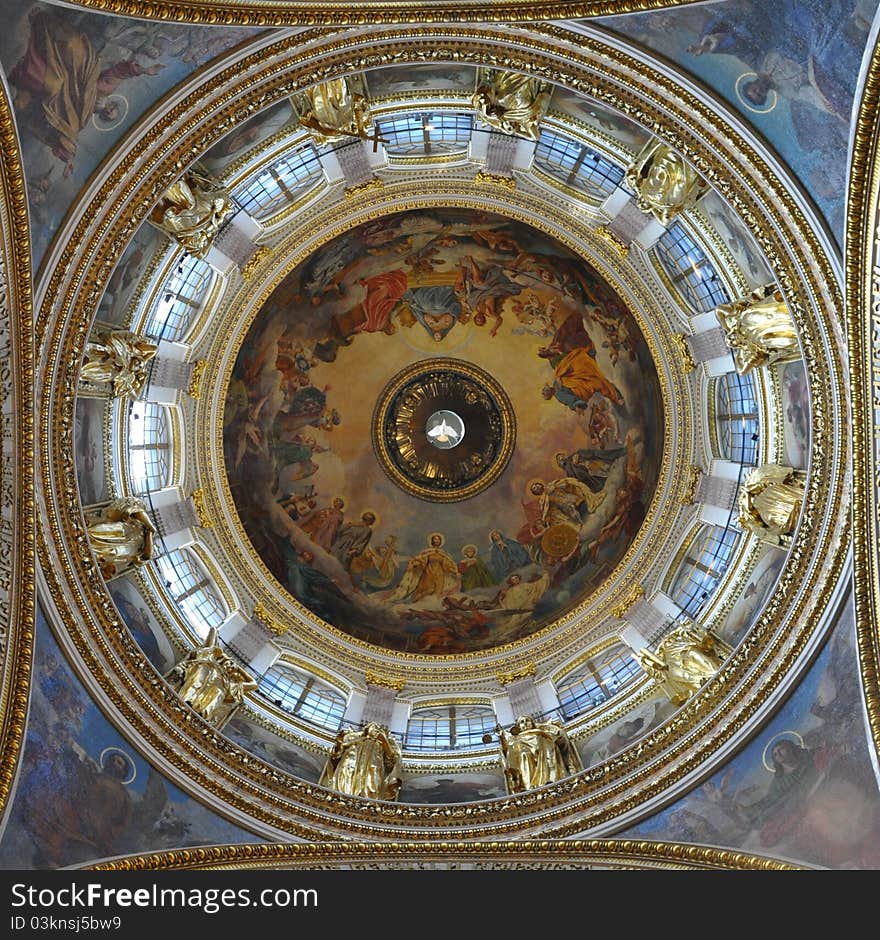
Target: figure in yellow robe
<point x="577" y="378"/>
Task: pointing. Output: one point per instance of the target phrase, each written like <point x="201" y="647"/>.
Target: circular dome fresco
<point x="442" y="431"/>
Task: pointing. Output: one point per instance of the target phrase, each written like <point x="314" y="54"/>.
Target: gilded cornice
<point x="547" y="854"/>
<point x="17" y="572"/>
<point x="863" y="336"/>
<point x="619" y="788"/>
<point x="368" y="12"/>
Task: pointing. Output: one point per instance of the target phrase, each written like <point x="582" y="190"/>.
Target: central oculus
<point x="445" y="429"/>
<point x="419" y="430"/>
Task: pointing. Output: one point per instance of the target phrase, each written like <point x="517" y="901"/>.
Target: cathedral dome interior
<point x="439" y="438"/>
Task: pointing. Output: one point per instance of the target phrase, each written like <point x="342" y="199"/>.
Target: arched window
<point x="690" y="270"/>
<point x="304" y="696"/>
<point x="449" y="727"/>
<point x="705" y="561"/>
<point x="280" y="184"/>
<point x="192" y="589"/>
<point x="736" y="416"/>
<point x="180" y="300"/>
<point x="149" y="443"/>
<point x="597" y="680"/>
<point x="576" y="165"/>
<point x="425" y="133"/>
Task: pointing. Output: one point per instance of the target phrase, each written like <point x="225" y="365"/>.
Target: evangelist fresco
<point x="248" y="136"/>
<point x="753" y="597"/>
<point x="795" y="413"/>
<point x="83" y="792"/>
<point x="456" y="79"/>
<point x="804" y="789"/>
<point x="274" y="749"/>
<point x="341" y="536"/>
<point x="451" y="788"/>
<point x="737" y="238"/>
<point x="114" y="306"/>
<point x="88" y="433"/>
<point x="603" y="119"/>
<point x="80" y="80"/>
<point x="788" y="66"/>
<point x="638" y="722"/>
<point x="142" y="623"/>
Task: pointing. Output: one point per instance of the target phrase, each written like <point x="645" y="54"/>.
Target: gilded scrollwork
<point x="863" y="336"/>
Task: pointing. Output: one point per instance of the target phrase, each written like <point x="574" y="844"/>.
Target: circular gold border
<point x="711" y="719"/>
<point x="17" y="618"/>
<point x="368" y="12"/>
<point x="863" y="335"/>
<point x="341" y="218"/>
<point x="551" y="853"/>
<point x="471" y="371"/>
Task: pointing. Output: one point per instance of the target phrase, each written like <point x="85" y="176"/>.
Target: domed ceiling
<point x="363" y="515"/>
<point x="457" y="437"/>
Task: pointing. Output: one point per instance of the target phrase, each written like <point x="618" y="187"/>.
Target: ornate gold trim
<point x="373" y="678"/>
<point x="685" y="356"/>
<point x="616" y="242"/>
<point x="198" y="498"/>
<point x="689" y="496"/>
<point x="421" y="194"/>
<point x="368" y="12"/>
<point x="863" y="331"/>
<point x="505" y="678"/>
<point x="268" y="621"/>
<point x="368" y="186"/>
<point x="17" y="614"/>
<point x="255" y="260"/>
<point x="392" y="452"/>
<point x="557" y="853"/>
<point x="483" y="178"/>
<point x="636" y="593"/>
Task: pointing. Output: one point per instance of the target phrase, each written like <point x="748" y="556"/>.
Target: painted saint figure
<point x="431" y="573"/>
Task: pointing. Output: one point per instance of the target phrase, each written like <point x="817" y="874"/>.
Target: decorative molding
<point x="255" y="260"/>
<point x="373" y="678"/>
<point x="194" y="389"/>
<point x="505" y="678"/>
<point x="483" y="178"/>
<point x="17" y="504"/>
<point x="613" y="239"/>
<point x="626" y="854"/>
<point x="863" y="338"/>
<point x="685" y="356"/>
<point x="268" y="621"/>
<point x="667" y="756"/>
<point x="368" y="186"/>
<point x="689" y="495"/>
<point x="198" y="500"/>
<point x="636" y="593"/>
